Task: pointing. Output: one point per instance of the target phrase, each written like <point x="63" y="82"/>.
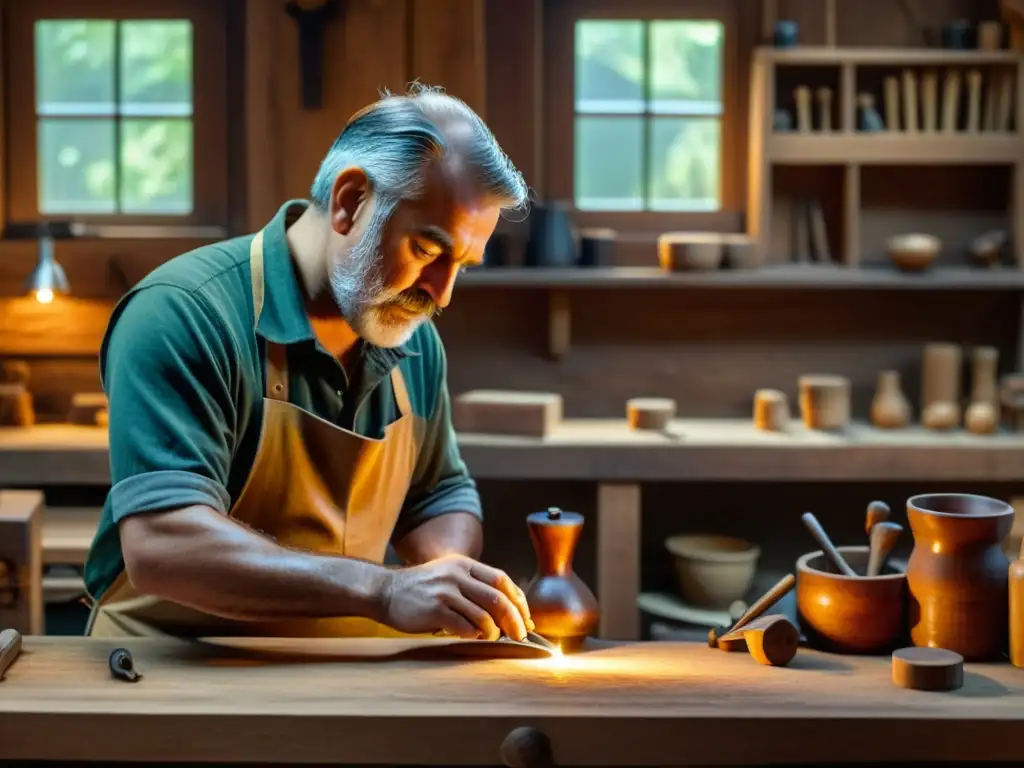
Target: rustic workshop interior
<point x="758" y="345"/>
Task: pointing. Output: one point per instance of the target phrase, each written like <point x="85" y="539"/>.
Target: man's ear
<point x="350" y="191"/>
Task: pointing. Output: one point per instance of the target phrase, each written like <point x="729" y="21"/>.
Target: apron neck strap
<point x="276" y="386"/>
<point x="401" y="392"/>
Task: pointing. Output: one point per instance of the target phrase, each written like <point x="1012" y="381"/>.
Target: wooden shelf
<point x="788" y="276"/>
<point x="607" y="451"/>
<point x="895" y="148"/>
<point x="881" y="56"/>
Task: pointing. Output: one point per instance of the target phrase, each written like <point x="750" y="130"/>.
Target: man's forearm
<point x="203" y="560"/>
<point x="458" y="533"/>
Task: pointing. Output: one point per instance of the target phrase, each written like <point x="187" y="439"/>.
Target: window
<point x="644" y="114"/>
<point x="648" y="115"/>
<point x="120" y="116"/>
<point x="114" y="116"/>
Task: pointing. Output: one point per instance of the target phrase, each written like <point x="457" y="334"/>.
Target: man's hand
<point x="459" y="595"/>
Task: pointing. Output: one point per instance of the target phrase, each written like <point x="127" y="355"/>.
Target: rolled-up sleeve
<point x="167" y="372"/>
<point x="441" y="483"/>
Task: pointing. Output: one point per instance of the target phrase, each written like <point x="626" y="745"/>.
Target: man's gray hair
<point x="395" y="139"/>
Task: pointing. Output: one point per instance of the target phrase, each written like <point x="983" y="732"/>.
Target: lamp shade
<point x="47" y="279"/>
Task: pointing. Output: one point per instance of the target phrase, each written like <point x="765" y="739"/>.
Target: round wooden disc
<point x="927" y="669"/>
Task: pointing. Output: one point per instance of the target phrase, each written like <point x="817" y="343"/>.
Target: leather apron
<point x="313" y="487"/>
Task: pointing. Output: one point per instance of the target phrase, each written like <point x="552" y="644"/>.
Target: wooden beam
<point x="263" y="167"/>
<point x="448" y="48"/>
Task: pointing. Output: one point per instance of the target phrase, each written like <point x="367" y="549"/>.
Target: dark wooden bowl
<point x="842" y="614"/>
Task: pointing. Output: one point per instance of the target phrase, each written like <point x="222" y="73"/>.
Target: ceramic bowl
<point x="843" y="614"/>
<point x="713" y="571"/>
<point x="914" y="252"/>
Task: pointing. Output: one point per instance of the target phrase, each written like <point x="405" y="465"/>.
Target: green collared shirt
<point x="184" y="374"/>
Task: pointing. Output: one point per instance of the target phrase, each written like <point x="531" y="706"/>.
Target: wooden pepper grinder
<point x="562" y="607"/>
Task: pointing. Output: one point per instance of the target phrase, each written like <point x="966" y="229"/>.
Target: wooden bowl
<point x="713" y="571"/>
<point x="915" y="252"/>
<point x="690" y="251"/>
<point x="842" y="614"/>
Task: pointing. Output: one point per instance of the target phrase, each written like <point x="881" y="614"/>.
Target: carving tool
<point x="877" y="512"/>
<point x="883" y="539"/>
<point x="766" y="601"/>
<point x="831" y="553"/>
<point x="10" y="649"/>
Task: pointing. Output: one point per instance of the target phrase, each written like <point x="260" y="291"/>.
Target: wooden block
<point x="652" y="413"/>
<point x="16" y="409"/>
<point x="690" y="251"/>
<point x="10" y="649"/>
<point x="927" y="669"/>
<point x="21" y="561"/>
<point x="771" y="410"/>
<point x="499" y="412"/>
<point x="824" y="401"/>
<point x="86" y="408"/>
<point x="772" y="640"/>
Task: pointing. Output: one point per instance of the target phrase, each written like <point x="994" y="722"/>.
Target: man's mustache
<point x="415" y="301"/>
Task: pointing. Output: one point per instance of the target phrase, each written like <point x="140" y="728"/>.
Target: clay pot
<point x="562" y="607"/>
<point x="914" y="252"/>
<point x="713" y="571"/>
<point x="841" y="614"/>
<point x="890" y="408"/>
<point x="957" y="573"/>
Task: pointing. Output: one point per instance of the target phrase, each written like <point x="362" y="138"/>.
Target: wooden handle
<point x="527" y="748"/>
<point x="883" y="538"/>
<point x="10" y="649"/>
<point x="973" y="101"/>
<point x="951" y="101"/>
<point x="877" y="512"/>
<point x="826" y="545"/>
<point x="930" y="100"/>
<point x="825" y="109"/>
<point x="892" y="104"/>
<point x="766" y="601"/>
<point x="803" y="108"/>
<point x="909" y="101"/>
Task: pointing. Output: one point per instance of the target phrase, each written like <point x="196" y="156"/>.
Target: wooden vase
<point x="940" y="386"/>
<point x="562" y="607"/>
<point x="982" y="415"/>
<point x="957" y="574"/>
<point x="890" y="408"/>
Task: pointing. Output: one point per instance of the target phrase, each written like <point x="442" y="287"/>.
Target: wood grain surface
<point x="607" y="450"/>
<point x="630" y="704"/>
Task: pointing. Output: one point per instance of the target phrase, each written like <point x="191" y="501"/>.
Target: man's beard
<point x="381" y="316"/>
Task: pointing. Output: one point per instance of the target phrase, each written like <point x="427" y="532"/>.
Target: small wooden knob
<point x="650" y="413"/>
<point x="771" y="410"/>
<point x="527" y="747"/>
<point x="927" y="669"/>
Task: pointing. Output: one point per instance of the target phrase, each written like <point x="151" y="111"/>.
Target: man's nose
<point x="438" y="280"/>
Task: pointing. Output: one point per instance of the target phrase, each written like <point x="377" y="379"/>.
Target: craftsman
<point x="279" y="410"/>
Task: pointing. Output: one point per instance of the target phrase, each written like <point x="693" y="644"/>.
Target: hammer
<point x="767" y="600"/>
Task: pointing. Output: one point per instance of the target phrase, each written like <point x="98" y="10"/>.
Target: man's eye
<point x="420" y="250"/>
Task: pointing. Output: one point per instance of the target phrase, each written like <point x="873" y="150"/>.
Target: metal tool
<point x="122" y="666"/>
<point x="533" y="637"/>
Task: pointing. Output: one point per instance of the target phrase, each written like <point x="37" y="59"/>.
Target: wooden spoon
<point x="877" y="512"/>
<point x="883" y="539"/>
<point x="831" y="553"/>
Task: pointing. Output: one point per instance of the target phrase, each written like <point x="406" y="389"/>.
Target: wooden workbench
<point x="650" y="704"/>
<point x="617" y="460"/>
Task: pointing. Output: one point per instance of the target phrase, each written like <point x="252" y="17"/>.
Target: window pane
<point x="686" y="67"/>
<point x="156" y="68"/>
<point x="156" y="166"/>
<point x="74" y="67"/>
<point x="76" y="166"/>
<point x="609" y="163"/>
<point x="684" y="164"/>
<point x="609" y="66"/>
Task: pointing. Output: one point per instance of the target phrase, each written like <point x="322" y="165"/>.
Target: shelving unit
<point x="841" y="147"/>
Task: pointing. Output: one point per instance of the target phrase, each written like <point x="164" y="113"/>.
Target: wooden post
<point x="21" y="561"/>
<point x="618" y="560"/>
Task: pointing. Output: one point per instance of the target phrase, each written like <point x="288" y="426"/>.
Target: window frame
<point x="209" y="106"/>
<point x="560" y="110"/>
